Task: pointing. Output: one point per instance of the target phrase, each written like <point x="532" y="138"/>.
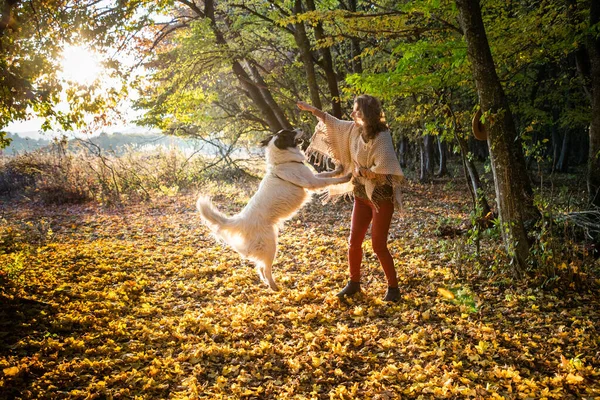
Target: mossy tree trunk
<point x="513" y="189"/>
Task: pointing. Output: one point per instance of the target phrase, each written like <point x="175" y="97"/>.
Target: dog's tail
<point x="212" y="217"/>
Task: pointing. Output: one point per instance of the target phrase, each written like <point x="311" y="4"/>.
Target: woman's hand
<point x="312" y="109"/>
<point x="367" y="173"/>
<point x="361" y="171"/>
<point x="364" y="173"/>
<point x="304" y="106"/>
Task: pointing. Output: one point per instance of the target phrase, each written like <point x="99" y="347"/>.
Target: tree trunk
<point x="355" y="45"/>
<point x="257" y="92"/>
<point x="426" y="147"/>
<point x="402" y="151"/>
<point x="256" y="96"/>
<point x="471" y="175"/>
<point x="563" y="159"/>
<point x="443" y="150"/>
<point x="307" y="58"/>
<point x="266" y="94"/>
<point x="555" y="147"/>
<point x="593" y="46"/>
<point x="513" y="189"/>
<point x="422" y="168"/>
<point x="473" y="180"/>
<point x="327" y="65"/>
<point x="582" y="60"/>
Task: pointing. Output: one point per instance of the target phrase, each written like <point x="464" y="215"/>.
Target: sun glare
<point x="80" y="65"/>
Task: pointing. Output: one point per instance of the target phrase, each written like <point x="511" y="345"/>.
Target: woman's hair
<point x="373" y="116"/>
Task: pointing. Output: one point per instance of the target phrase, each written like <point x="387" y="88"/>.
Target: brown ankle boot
<point x="350" y="289"/>
<point x="392" y="294"/>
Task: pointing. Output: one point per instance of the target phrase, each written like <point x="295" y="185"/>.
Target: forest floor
<point x="140" y="302"/>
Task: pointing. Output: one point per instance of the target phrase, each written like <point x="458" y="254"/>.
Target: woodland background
<point x="110" y="287"/>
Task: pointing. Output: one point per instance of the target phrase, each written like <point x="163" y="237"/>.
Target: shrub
<point x="50" y="175"/>
<point x="58" y="176"/>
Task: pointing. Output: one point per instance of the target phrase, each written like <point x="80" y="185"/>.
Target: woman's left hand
<point x="363" y="172"/>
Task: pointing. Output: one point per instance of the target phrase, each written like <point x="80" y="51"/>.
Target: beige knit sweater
<point x="342" y="142"/>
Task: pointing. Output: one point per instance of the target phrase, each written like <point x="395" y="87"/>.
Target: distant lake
<point x="119" y="143"/>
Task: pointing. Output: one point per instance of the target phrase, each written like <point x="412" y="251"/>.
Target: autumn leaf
<point x="11" y="371"/>
<point x="574" y="379"/>
<point x="446" y="293"/>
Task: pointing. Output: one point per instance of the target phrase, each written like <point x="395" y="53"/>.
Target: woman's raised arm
<point x="312" y="109"/>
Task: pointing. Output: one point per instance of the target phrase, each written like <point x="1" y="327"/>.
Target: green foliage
<point x="11" y="271"/>
<point x="562" y="254"/>
<point x="193" y="90"/>
<point x="461" y="296"/>
<point x="31" y="46"/>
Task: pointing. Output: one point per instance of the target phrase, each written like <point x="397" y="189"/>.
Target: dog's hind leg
<point x="260" y="268"/>
<point x="269" y="276"/>
<point x="265" y="258"/>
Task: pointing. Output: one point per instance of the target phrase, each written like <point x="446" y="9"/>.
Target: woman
<point x="364" y="147"/>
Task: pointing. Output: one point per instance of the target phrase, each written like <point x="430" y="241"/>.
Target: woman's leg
<point x="379" y="237"/>
<point x="361" y="218"/>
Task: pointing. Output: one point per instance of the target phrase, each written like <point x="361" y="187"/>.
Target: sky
<point x="81" y="65"/>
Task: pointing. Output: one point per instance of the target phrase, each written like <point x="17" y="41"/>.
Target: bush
<point x="50" y="175"/>
<point x="16" y="176"/>
<point x="57" y="176"/>
<point x="565" y="249"/>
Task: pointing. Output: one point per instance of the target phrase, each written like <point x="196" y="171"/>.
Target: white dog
<point x="282" y="192"/>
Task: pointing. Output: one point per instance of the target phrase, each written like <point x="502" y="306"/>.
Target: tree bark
<point x="268" y="97"/>
<point x="426" y="146"/>
<point x="471" y="174"/>
<point x="402" y="149"/>
<point x="443" y="150"/>
<point x="473" y="180"/>
<point x="593" y="47"/>
<point x="355" y="45"/>
<point x="307" y="58"/>
<point x="258" y="92"/>
<point x="563" y="159"/>
<point x="327" y="64"/>
<point x="256" y="96"/>
<point x="513" y="189"/>
<point x="582" y="60"/>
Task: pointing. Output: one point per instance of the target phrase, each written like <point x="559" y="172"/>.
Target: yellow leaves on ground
<point x="143" y="303"/>
<point x="446" y="293"/>
<point x="11" y="371"/>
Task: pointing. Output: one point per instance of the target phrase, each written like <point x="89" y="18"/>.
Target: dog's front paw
<point x="346" y="178"/>
<point x="339" y="168"/>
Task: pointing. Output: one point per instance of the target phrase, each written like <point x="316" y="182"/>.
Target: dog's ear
<point x="266" y="141"/>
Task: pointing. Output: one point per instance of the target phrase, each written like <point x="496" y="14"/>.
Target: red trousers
<point x="363" y="213"/>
